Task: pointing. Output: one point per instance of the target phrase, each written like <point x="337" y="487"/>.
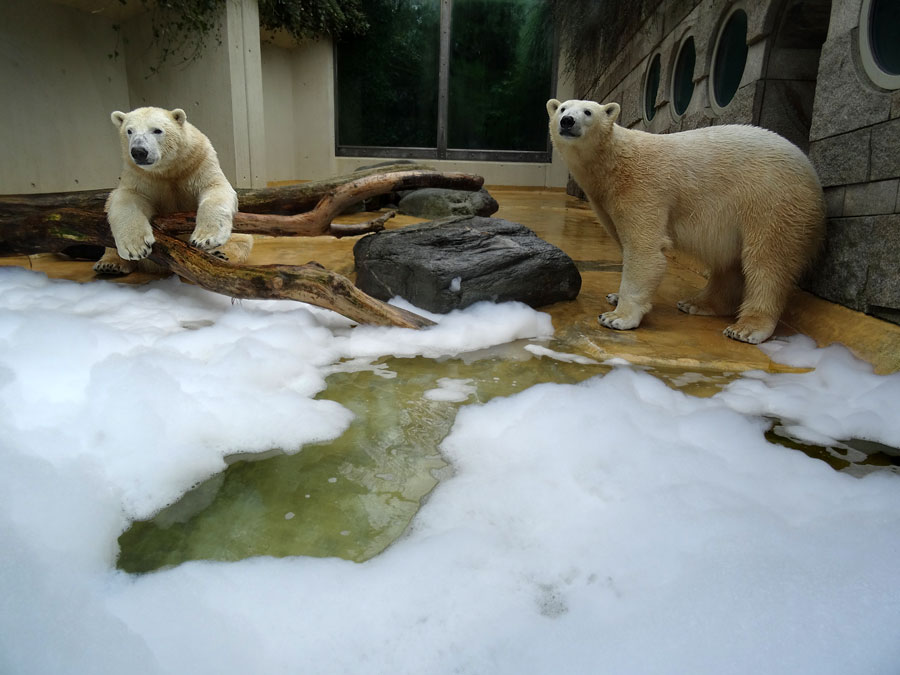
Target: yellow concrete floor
<point x="666" y="339"/>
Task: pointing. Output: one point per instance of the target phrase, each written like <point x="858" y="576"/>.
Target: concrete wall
<point x="59" y="88"/>
<point x="221" y="91"/>
<point x="298" y="94"/>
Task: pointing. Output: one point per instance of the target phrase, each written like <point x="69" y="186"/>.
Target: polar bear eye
<point x="587" y="113"/>
<point x="157" y="131"/>
<point x="128" y="131"/>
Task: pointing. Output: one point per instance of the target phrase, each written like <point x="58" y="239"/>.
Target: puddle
<point x="856" y="456"/>
<point x="352" y="497"/>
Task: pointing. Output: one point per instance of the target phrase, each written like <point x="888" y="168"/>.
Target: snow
<point x="614" y="526"/>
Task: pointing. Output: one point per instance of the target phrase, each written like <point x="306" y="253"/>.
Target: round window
<point x="730" y="58"/>
<point x="879" y="41"/>
<point x="651" y="86"/>
<point x="683" y="78"/>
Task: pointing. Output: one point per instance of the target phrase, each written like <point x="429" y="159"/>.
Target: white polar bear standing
<point x="169" y="166"/>
<point x="741" y="199"/>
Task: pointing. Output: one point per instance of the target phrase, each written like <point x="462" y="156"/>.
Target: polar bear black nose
<point x="139" y="154"/>
<point x="567" y="122"/>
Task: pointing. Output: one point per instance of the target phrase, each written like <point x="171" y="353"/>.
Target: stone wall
<point x="855" y="147"/>
<point x="803" y="78"/>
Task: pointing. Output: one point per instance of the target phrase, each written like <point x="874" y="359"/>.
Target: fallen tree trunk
<point x="51" y="223"/>
<point x="310" y="283"/>
<point x="331" y="204"/>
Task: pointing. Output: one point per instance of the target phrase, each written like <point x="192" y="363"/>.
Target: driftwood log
<point x="51" y="223"/>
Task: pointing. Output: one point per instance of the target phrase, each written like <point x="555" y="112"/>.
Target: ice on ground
<point x="615" y="526"/>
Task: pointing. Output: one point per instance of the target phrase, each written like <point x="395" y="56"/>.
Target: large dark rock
<point x="453" y="263"/>
<point x="441" y="203"/>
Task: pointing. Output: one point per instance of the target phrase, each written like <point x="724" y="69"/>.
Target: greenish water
<point x="352" y="497"/>
<point x="855" y="456"/>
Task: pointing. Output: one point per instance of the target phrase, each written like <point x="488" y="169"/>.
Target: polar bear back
<point x="718" y="186"/>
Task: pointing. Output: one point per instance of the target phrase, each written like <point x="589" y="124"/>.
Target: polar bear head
<point x="151" y="137"/>
<point x="573" y="121"/>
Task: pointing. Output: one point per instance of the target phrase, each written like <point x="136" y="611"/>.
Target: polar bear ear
<point x="612" y="111"/>
<point x="552" y="106"/>
<point x="118" y="117"/>
<point x="179" y="116"/>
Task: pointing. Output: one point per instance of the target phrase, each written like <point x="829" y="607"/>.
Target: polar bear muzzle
<point x="569" y="127"/>
<point x="143" y="149"/>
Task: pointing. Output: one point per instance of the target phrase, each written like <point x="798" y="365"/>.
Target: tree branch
<point x="310" y="283"/>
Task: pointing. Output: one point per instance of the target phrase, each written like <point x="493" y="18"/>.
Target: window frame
<point x="879" y="77"/>
<point x="441" y="151"/>
<point x="648" y="105"/>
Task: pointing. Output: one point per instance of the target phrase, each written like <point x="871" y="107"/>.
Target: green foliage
<point x="500" y="75"/>
<point x="499" y="78"/>
<point x="387" y="81"/>
<point x="594" y="30"/>
<point x="181" y="29"/>
<point x="313" y="18"/>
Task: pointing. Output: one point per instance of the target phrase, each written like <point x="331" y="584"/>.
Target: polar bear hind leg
<point x="235" y="250"/>
<point x="113" y="263"/>
<point x="767" y="285"/>
<point x="721" y="296"/>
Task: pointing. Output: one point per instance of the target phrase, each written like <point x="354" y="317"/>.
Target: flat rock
<point x="441" y="202"/>
<point x="453" y="263"/>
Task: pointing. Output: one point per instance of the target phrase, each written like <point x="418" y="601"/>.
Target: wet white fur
<point x="741" y="199"/>
<point x="184" y="176"/>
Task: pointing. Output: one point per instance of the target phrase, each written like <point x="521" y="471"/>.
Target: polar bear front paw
<point x="135" y="245"/>
<point x="210" y="235"/>
<point x="618" y="322"/>
<point x="612" y="298"/>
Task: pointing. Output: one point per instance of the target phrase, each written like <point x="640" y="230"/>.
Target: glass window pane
<point x="884" y="31"/>
<point x="731" y="57"/>
<point x="683" y="82"/>
<point x="387" y="85"/>
<point x="500" y="75"/>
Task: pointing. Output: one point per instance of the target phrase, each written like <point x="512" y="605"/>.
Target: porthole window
<point x="730" y="57"/>
<point x="683" y="77"/>
<point x="879" y="41"/>
<point x="651" y="87"/>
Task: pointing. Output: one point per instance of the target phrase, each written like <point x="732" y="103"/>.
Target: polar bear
<point x="741" y="199"/>
<point x="169" y="166"/>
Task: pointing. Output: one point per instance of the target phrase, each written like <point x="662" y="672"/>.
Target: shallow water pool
<point x="352" y="497"/>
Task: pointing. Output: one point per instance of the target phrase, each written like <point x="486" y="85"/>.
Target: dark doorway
<point x="793" y="64"/>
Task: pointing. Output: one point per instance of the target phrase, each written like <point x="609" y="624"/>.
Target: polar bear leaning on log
<point x="741" y="199"/>
<point x="169" y="166"/>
